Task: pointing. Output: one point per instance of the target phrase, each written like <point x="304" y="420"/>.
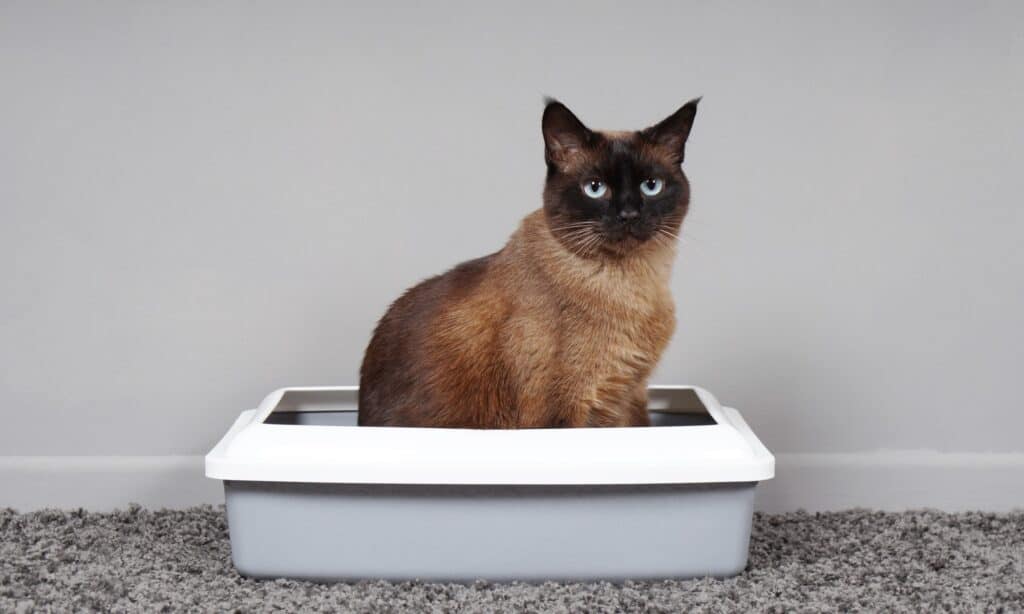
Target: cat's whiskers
<point x="583" y="243"/>
<point x="580" y="238"/>
<point x="675" y="241"/>
<point x="574" y="225"/>
<point x="576" y="229"/>
<point x="665" y="231"/>
<point x="591" y="246"/>
<point x="576" y="246"/>
<point x="664" y="241"/>
<point x="593" y="241"/>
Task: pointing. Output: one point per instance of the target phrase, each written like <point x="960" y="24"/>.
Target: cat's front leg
<point x="631" y="411"/>
<point x="637" y="412"/>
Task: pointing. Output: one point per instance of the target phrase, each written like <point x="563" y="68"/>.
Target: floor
<point x="144" y="561"/>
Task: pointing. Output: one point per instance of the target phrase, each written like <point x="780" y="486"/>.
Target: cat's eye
<point x="595" y="188"/>
<point x="651" y="187"/>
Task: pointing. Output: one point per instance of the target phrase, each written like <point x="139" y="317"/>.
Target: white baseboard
<point x="896" y="480"/>
<point x="886" y="480"/>
<point x="103" y="483"/>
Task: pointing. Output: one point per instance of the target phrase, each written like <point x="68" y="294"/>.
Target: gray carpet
<point x="142" y="561"/>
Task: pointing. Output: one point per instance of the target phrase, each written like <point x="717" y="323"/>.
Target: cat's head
<point x="611" y="193"/>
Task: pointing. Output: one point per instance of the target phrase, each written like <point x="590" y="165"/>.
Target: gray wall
<point x="200" y="204"/>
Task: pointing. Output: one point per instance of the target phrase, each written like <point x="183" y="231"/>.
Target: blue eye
<point x="595" y="188"/>
<point x="651" y="187"/>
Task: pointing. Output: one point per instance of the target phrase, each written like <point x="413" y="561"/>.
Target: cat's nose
<point x="629" y="213"/>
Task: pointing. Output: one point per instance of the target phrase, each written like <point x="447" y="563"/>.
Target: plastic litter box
<point x="311" y="495"/>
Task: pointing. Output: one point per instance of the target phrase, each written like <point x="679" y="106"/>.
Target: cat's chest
<point x="619" y="344"/>
<point x="612" y="323"/>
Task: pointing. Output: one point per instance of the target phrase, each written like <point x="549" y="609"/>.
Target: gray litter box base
<point x="332" y="532"/>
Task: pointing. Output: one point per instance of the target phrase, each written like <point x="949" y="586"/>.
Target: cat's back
<point x="402" y="357"/>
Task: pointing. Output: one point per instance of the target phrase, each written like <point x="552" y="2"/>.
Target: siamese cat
<point x="563" y="325"/>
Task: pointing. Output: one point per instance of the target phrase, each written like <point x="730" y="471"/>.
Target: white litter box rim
<point x="727" y="451"/>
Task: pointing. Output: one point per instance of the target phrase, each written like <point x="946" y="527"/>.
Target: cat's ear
<point x="672" y="132"/>
<point x="564" y="134"/>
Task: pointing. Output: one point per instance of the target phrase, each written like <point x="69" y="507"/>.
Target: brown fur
<point x="535" y="335"/>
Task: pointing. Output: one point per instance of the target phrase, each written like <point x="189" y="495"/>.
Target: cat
<point x="563" y="325"/>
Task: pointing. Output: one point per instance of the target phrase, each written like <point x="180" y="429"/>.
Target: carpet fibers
<point x="143" y="561"/>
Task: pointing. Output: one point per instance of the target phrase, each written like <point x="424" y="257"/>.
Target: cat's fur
<point x="564" y="324"/>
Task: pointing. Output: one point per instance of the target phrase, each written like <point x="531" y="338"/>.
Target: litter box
<point x="311" y="495"/>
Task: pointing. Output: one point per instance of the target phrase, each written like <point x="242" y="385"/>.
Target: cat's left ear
<point x="672" y="132"/>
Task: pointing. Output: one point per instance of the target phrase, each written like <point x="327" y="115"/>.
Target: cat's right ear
<point x="564" y="134"/>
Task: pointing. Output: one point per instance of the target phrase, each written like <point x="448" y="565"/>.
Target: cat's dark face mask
<point x="610" y="193"/>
